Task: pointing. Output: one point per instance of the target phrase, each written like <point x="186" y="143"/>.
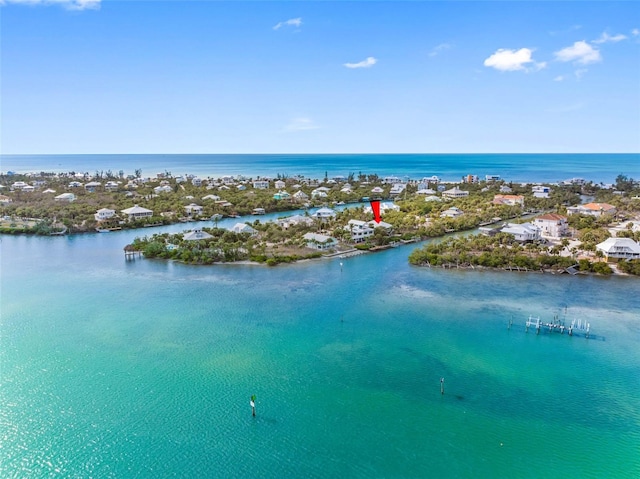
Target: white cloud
<point x="559" y="78"/>
<point x="301" y="124"/>
<point x="439" y="49"/>
<point x="295" y="22"/>
<point x="68" y="4"/>
<point x="580" y="52"/>
<point x="635" y="32"/>
<point x="606" y="38"/>
<point x="507" y="60"/>
<point x="566" y="108"/>
<point x="369" y="62"/>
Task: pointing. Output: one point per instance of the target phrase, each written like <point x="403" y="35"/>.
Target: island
<point x="570" y="226"/>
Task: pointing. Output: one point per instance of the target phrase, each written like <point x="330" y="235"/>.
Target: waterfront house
<point x="491" y="178"/>
<point x="65" y="197"/>
<point x="195" y="235"/>
<point x="258" y="211"/>
<point x="318" y="194"/>
<point x="193" y="209"/>
<point x="552" y="225"/>
<point x="384" y="207"/>
<point x="524" y="232"/>
<point x="470" y="179"/>
<point x="290" y="221"/>
<point x="360" y="230"/>
<point x="592" y="209"/>
<point x="454" y="193"/>
<point x="509" y="200"/>
<point x="324" y="213"/>
<point x="320" y="242"/>
<point x="104" y="214"/>
<point x="619" y="248"/>
<point x="137" y="212"/>
<point x="261" y="184"/>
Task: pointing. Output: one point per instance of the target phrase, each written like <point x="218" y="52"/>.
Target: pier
<point x="556" y="325"/>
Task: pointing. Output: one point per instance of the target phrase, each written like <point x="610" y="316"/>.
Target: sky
<point x="92" y="76"/>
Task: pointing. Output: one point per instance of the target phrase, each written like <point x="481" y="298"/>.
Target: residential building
<point x="137" y="212"/>
<point x="324" y="213"/>
<point x="261" y="184"/>
<point x="524" y="232"/>
<point x="452" y="212"/>
<point x="455" y="192"/>
<point x="540" y="191"/>
<point x="279" y="184"/>
<point x="65" y="197"/>
<point x="244" y="228"/>
<point x="281" y="195"/>
<point x="552" y="225"/>
<point x="193" y="209"/>
<point x="196" y="235"/>
<point x="592" y="209"/>
<point x="619" y="248"/>
<point x="360" y="230"/>
<point x="104" y="214"/>
<point x="320" y="242"/>
<point x="509" y="200"/>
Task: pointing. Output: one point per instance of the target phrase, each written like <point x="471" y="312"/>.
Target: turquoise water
<point x="451" y="167"/>
<point x="114" y="368"/>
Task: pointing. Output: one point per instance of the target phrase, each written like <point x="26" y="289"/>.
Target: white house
<point x="65" y="197"/>
<point x="397" y="189"/>
<point x="196" y="234"/>
<point x="318" y="194"/>
<point x="619" y="248"/>
<point x="290" y="221"/>
<point x="104" y="214"/>
<point x="111" y="186"/>
<point x="377" y="189"/>
<point x="452" y="212"/>
<point x="18" y="185"/>
<point x="324" y="213"/>
<point x="320" y="242"/>
<point x="540" y="191"/>
<point x="243" y="228"/>
<point x="92" y="186"/>
<point x="505" y="189"/>
<point x="384" y="207"/>
<point x="522" y="232"/>
<point x="279" y="184"/>
<point x="360" y="230"/>
<point x="261" y="184"/>
<point x="552" y="225"/>
<point x="455" y="192"/>
<point x="425" y="191"/>
<point x="137" y="212"/>
<point x="432" y="198"/>
<point x="193" y="209"/>
<point x="211" y="197"/>
<point x="241" y="187"/>
<point x="300" y="196"/>
<point x="5" y="199"/>
<point x="162" y="189"/>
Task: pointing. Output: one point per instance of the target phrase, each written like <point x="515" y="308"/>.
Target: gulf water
<point x="116" y="369"/>
<point x="449" y="167"/>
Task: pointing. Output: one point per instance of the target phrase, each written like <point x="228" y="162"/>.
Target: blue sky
<point x="90" y="76"/>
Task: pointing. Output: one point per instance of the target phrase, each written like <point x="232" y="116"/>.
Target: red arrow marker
<point x="375" y="207"/>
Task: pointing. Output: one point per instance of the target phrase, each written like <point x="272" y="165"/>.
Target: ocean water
<point x="114" y="368"/>
<point x="449" y="167"/>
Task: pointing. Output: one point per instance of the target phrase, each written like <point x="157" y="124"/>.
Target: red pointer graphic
<point x="375" y="207"/>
